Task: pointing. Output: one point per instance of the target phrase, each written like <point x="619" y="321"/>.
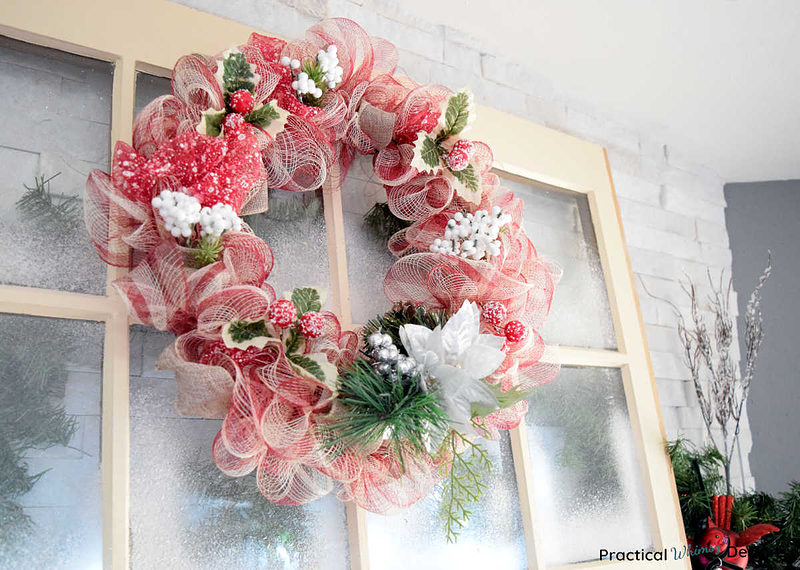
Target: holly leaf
<point x="293" y="341"/>
<point x="236" y="73"/>
<point x="269" y="118"/>
<point x="469" y="181"/>
<point x="427" y="153"/>
<point x="457" y="114"/>
<point x="211" y="123"/>
<point x="316" y="365"/>
<point x="306" y="299"/>
<point x="263" y="116"/>
<point x="308" y="365"/>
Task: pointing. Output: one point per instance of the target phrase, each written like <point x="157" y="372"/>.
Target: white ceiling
<point x="717" y="79"/>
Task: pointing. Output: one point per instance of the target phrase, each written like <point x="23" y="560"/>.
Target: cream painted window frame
<point x="149" y="36"/>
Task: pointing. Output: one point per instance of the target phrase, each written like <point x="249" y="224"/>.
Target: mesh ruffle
<point x="275" y="415"/>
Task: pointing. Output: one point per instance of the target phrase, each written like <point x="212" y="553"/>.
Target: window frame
<point x="114" y="31"/>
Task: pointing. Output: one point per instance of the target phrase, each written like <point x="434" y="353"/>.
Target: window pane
<point x="294" y="227"/>
<point x="560" y="226"/>
<point x="586" y="474"/>
<point x="56" y="124"/>
<point x="148" y="87"/>
<point x="368" y="258"/>
<point x="186" y="514"/>
<point x="50" y="494"/>
<point x="493" y="538"/>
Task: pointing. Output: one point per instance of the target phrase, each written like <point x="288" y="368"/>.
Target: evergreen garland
<point x="32" y="383"/>
<point x="382" y="222"/>
<point x="581" y="412"/>
<point x="234" y="513"/>
<point x="698" y="477"/>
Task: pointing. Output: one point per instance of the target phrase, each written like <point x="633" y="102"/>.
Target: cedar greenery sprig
<point x="404" y="314"/>
<point x="377" y="407"/>
<point x="40" y="205"/>
<point x="464" y="485"/>
<point x="382" y="222"/>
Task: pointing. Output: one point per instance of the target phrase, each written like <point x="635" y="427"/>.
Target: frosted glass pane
<point x="294" y="227"/>
<point x="368" y="259"/>
<point x="56" y="121"/>
<point x="148" y="87"/>
<point x="493" y="538"/>
<point x="560" y="226"/>
<point x="586" y="474"/>
<point x="186" y="514"/>
<point x="50" y="493"/>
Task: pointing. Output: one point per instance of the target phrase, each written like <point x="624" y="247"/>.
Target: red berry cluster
<point x="458" y="157"/>
<point x="495" y="313"/>
<point x="283" y="314"/>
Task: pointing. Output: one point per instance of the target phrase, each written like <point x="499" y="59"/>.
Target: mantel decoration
<point x="382" y="415"/>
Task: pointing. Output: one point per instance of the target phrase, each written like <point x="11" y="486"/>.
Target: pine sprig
<point x="464" y="485"/>
<point x="382" y="222"/>
<point x="404" y="314"/>
<point x="207" y="251"/>
<point x="377" y="407"/>
<point x="54" y="211"/>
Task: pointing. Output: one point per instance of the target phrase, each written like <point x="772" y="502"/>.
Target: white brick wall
<point x="672" y="206"/>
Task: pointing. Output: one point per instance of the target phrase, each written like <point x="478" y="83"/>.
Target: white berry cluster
<point x="217" y="219"/>
<point x="472" y="236"/>
<point x="179" y="211"/>
<point x="290" y="63"/>
<point x="327" y="62"/>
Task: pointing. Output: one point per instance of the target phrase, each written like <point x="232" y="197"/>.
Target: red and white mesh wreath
<point x="297" y="394"/>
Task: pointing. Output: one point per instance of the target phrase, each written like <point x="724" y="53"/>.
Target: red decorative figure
<point x="719" y="546"/>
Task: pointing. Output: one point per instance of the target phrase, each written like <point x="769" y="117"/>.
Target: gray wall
<point x="761" y="216"/>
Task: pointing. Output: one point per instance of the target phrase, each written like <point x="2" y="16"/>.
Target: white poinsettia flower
<point x="457" y="357"/>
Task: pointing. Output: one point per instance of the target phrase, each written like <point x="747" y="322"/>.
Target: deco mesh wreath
<point x="382" y="417"/>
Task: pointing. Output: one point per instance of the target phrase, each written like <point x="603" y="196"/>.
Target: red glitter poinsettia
<point x="212" y="170"/>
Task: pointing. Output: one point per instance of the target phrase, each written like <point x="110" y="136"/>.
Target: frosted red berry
<point x="282" y="313"/>
<point x="494" y="312"/>
<point x="457" y="160"/>
<point x="232" y="123"/>
<point x="311" y="324"/>
<point x="464" y="146"/>
<point x="515" y="331"/>
<point x="241" y="101"/>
